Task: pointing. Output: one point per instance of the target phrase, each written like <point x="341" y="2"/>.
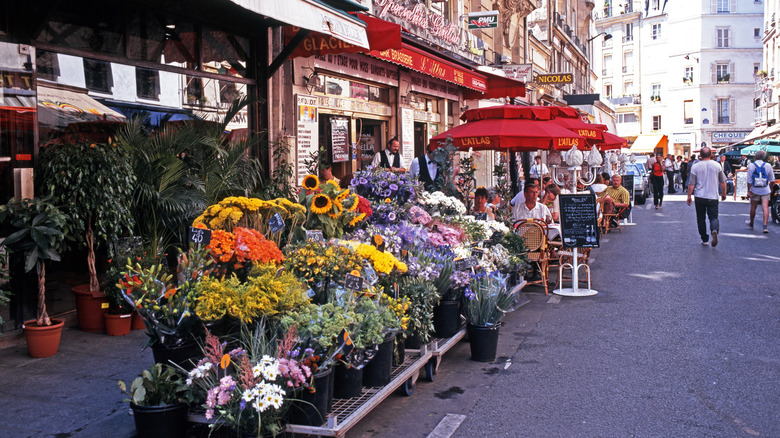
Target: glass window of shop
<point x="338" y="87"/>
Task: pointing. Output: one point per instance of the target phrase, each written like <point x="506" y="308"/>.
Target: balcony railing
<point x="606" y="72"/>
<point x="724" y="79"/>
<point x="628" y="38"/>
<point x="655" y="98"/>
<point x="628" y="69"/>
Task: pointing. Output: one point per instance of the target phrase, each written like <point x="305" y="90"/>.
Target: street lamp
<point x="607" y="36"/>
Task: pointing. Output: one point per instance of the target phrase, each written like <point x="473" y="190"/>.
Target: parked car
<point x="641" y="185"/>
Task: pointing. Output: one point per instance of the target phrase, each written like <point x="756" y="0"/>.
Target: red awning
<point x="382" y="35"/>
<point x="611" y="141"/>
<point x="590" y="131"/>
<point x="516" y="135"/>
<point x="497" y="87"/>
<point x="419" y="60"/>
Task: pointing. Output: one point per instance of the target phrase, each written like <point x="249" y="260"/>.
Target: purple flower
<point x="391" y="216"/>
<point x="393" y="187"/>
<point x="363" y="181"/>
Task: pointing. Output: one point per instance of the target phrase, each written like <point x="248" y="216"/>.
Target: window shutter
<point x="714" y="6"/>
<point x="714" y="71"/>
<point x="715" y="115"/>
<point x="733" y="6"/>
<point x="732" y="77"/>
<point x="732" y="110"/>
<point x="727" y="37"/>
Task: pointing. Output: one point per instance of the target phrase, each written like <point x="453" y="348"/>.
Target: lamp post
<point x="607" y="36"/>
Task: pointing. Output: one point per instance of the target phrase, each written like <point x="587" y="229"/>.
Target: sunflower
<point x="357" y="219"/>
<point x="320" y="204"/>
<point x="311" y="182"/>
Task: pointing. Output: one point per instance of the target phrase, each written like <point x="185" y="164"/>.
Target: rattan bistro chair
<point x="534" y="233"/>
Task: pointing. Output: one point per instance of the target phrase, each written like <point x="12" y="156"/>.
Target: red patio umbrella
<point x="511" y="135"/>
<point x="610" y="141"/>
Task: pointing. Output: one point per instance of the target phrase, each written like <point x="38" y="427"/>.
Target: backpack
<point x="759" y="176"/>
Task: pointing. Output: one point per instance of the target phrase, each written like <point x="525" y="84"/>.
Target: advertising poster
<point x="407" y="136"/>
<point x="307" y="133"/>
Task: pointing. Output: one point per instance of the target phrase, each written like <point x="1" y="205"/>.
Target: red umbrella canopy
<point x="610" y="141"/>
<point x="513" y="134"/>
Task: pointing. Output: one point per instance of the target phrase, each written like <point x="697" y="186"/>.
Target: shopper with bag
<point x="760" y="178"/>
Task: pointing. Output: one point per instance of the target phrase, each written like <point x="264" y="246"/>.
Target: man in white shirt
<point x="530" y="207"/>
<point x="389" y="158"/>
<point x="426" y="173"/>
<point x="538" y="169"/>
<point x="759" y="194"/>
<point x="706" y="176"/>
<point x="669" y="164"/>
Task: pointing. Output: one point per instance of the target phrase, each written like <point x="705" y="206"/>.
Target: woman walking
<point x="657" y="172"/>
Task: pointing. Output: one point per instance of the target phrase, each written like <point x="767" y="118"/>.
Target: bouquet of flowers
<point x="439" y="204"/>
<point x="422" y="297"/>
<point x="382" y="261"/>
<point x="329" y="208"/>
<point x="378" y="185"/>
<point x="479" y="230"/>
<point x="443" y="234"/>
<point x="320" y="263"/>
<point x="239" y="249"/>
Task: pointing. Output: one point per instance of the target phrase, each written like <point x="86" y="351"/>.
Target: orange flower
<point x="170" y="292"/>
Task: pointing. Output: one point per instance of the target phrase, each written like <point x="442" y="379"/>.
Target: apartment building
<point x="681" y="74"/>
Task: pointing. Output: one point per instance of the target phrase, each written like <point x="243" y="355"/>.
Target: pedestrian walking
<point x="669" y="164"/>
<point x="760" y="178"/>
<point x="657" y="171"/>
<point x="677" y="173"/>
<point x="705" y="178"/>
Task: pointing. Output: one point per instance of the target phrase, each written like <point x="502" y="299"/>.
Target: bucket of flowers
<point x="486" y="301"/>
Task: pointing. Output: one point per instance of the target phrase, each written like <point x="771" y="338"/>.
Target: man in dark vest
<point x="424" y="168"/>
<point x="389" y="158"/>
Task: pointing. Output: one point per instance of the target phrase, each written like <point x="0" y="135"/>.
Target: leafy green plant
<point x="93" y="184"/>
<point x="159" y="385"/>
<point x="423" y="297"/>
<point x="503" y="188"/>
<point x="466" y="183"/>
<point x="36" y="230"/>
<point x="488" y="299"/>
<point x="282" y="183"/>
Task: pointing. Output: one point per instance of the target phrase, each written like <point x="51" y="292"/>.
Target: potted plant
<point x="119" y="317"/>
<point x="487" y="299"/>
<point x="93" y="183"/>
<point x="423" y="297"/>
<point x="35" y="231"/>
<point x="158" y="399"/>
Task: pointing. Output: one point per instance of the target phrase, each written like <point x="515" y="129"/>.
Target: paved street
<point x="680" y="341"/>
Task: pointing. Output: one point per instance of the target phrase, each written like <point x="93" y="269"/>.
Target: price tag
<point x="465" y="264"/>
<point x="353" y="282"/>
<point x="477" y="252"/>
<point x="276" y="223"/>
<point x="199" y="236"/>
<point x="314" y="236"/>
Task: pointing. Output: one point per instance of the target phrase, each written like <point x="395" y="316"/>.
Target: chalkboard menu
<point x="339" y="139"/>
<point x="628" y="183"/>
<point x="741" y="183"/>
<point x="579" y="227"/>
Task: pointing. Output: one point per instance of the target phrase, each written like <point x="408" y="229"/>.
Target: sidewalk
<point x="74" y="393"/>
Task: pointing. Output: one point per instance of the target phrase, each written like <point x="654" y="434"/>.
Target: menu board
<point x="579" y="227"/>
<point x="339" y="139"/>
<point x="741" y="183"/>
<point x="628" y="183"/>
<point x="308" y="141"/>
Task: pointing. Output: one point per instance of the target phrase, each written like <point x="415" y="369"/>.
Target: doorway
<point x="420" y="138"/>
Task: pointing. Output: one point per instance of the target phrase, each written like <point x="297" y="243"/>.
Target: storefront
<point x="721" y="139"/>
<point x="682" y="144"/>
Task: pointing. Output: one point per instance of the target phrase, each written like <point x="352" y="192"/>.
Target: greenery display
<point x="466" y="182"/>
<point x="92" y="183"/>
<point x="487" y="299"/>
<point x="503" y="188"/>
<point x="444" y="157"/>
<point x="161" y="384"/>
<point x="423" y="297"/>
<point x="36" y="230"/>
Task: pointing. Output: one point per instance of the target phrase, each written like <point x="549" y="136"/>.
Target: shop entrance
<point x="420" y="138"/>
<point x="334" y="132"/>
<point x="370" y="141"/>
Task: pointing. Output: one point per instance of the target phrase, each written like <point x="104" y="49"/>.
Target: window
<point x="147" y="83"/>
<point x="656" y="31"/>
<point x="47" y="64"/>
<point x="756" y="32"/>
<point x="756" y="68"/>
<point x="688" y="112"/>
<point x="97" y="75"/>
<point x="723" y="37"/>
<point x="722" y="6"/>
<point x="627" y="118"/>
<point x="656" y="123"/>
<point x="607" y="65"/>
<point x="688" y="76"/>
<point x="655" y="95"/>
<point x="628" y="62"/>
<point x="628" y="88"/>
<point x="654" y="4"/>
<point x="722" y="73"/>
<point x="608" y="91"/>
<point x="722" y="111"/>
<point x="629" y="32"/>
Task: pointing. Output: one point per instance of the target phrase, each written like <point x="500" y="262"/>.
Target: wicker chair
<point x="534" y="233"/>
<point x="605" y="221"/>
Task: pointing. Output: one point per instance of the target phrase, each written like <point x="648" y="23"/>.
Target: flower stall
<point x="309" y="313"/>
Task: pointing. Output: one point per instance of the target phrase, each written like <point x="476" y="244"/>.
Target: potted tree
<point x="93" y="183"/>
<point x="34" y="230"/>
<point x="158" y="398"/>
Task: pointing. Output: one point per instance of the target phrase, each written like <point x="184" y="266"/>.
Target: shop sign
<point x="556" y="78"/>
<point x="419" y="21"/>
<point x="483" y="20"/>
<point x="339" y="139"/>
<point x="419" y="62"/>
<point x="682" y="138"/>
<point x="729" y="136"/>
<point x="520" y="72"/>
<point x="16" y="80"/>
<point x="475" y="45"/>
<point x="358" y="66"/>
<point x="433" y="87"/>
<point x="307" y="132"/>
<point x="424" y="116"/>
<point x="359" y="106"/>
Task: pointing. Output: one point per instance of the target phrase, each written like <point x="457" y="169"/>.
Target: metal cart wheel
<point x="409" y="386"/>
<point x="430" y="369"/>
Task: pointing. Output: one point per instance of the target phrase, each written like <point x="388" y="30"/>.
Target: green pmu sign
<point x="483" y="20"/>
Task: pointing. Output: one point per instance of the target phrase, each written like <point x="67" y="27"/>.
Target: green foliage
<point x="488" y="299"/>
<point x="159" y="385"/>
<point x="503" y="189"/>
<point x="466" y="182"/>
<point x="282" y="182"/>
<point x="515" y="244"/>
<point x="316" y="160"/>
<point x="422" y="298"/>
<point x="444" y="157"/>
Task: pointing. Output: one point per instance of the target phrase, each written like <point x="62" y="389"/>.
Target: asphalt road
<point x="681" y="341"/>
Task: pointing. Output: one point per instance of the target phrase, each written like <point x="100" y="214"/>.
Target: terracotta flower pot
<point x="118" y="325"/>
<point x="43" y="341"/>
<point x="138" y="322"/>
<point x="90" y="307"/>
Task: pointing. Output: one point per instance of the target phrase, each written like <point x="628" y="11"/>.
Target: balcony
<point x="606" y="72"/>
<point x="628" y="38"/>
<point x="724" y="79"/>
<point x="634" y="99"/>
<point x="628" y="69"/>
<point x="607" y="11"/>
<point x="655" y="98"/>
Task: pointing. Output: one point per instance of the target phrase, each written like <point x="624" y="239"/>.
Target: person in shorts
<point x="759" y="194"/>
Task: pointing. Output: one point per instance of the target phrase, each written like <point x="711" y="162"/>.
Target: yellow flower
<point x="310" y="182"/>
<point x="357" y="219"/>
<point x="321" y="204"/>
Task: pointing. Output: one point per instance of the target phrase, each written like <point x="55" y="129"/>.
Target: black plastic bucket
<point x="312" y="410"/>
<point x="160" y="421"/>
<point x="377" y="372"/>
<point x="483" y="341"/>
<point x="446" y="319"/>
<point x="348" y="382"/>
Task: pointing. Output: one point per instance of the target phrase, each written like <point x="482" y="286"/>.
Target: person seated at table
<point x="481" y="210"/>
<point x="530" y="208"/>
<point x="494" y="200"/>
<point x="615" y="197"/>
<point x="550" y="200"/>
<point x="598" y="185"/>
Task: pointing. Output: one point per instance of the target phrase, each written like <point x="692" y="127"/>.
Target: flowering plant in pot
<point x="92" y="183"/>
<point x="158" y="398"/>
<point x="320" y="263"/>
<point x="35" y="230"/>
<point x="487" y="300"/>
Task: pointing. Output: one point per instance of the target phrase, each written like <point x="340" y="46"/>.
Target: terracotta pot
<point x="118" y="325"/>
<point x="138" y="322"/>
<point x="90" y="307"/>
<point x="43" y="341"/>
